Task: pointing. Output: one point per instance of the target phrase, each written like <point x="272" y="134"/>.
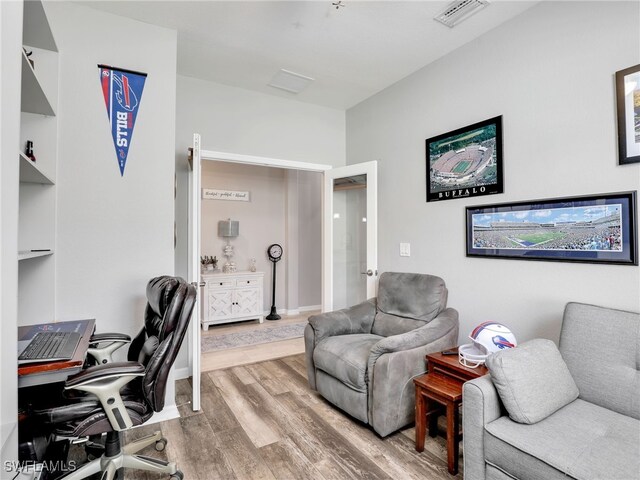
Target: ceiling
<point x="352" y="52"/>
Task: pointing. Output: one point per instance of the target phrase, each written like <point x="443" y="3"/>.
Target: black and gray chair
<point x="363" y="359"/>
<point x="114" y="397"/>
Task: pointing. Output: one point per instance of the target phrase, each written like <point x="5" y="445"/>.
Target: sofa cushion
<point x="532" y="380"/>
<point x="601" y="347"/>
<point x="407" y="301"/>
<point x="582" y="440"/>
<point x="345" y="358"/>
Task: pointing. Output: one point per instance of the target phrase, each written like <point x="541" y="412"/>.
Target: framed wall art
<point x="594" y="229"/>
<point x="628" y="106"/>
<point x="466" y="162"/>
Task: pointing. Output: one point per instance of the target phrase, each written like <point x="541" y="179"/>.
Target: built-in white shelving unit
<point x="30" y="173"/>
<point x="29" y="254"/>
<point x="37" y="193"/>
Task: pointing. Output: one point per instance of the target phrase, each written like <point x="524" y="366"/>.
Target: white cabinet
<point x="232" y="297"/>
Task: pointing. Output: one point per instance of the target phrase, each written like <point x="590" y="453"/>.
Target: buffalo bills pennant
<point x="122" y="90"/>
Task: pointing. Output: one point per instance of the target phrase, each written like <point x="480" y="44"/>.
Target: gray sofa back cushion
<point x="407" y="301"/>
<point x="601" y="347"/>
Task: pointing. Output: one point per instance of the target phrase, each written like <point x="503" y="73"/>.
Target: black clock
<point x="275" y="252"/>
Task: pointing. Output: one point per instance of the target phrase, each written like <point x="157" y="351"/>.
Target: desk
<point x="442" y="386"/>
<point x="33" y="374"/>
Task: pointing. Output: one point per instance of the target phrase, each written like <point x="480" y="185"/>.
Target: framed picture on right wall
<point x="592" y="228"/>
<point x="628" y="106"/>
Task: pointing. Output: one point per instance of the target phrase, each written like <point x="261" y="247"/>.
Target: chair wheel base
<point x="177" y="476"/>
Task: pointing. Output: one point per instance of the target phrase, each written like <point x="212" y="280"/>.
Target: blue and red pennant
<point x="122" y="90"/>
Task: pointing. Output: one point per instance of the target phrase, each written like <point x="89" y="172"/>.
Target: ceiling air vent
<point x="456" y="12"/>
<point x="290" y="81"/>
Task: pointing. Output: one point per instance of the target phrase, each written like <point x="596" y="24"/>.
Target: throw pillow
<point x="532" y="380"/>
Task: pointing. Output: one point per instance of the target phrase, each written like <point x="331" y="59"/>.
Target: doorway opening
<point x="268" y="205"/>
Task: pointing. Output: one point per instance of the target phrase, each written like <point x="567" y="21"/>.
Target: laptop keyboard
<point x="51" y="346"/>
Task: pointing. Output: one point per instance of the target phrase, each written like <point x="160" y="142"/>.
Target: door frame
<point x="371" y="170"/>
<point x="217" y="156"/>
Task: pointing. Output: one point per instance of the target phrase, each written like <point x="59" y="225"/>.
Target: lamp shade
<point x="228" y="228"/>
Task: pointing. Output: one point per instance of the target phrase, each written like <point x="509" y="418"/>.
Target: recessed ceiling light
<point x="290" y="81"/>
<point x="458" y="11"/>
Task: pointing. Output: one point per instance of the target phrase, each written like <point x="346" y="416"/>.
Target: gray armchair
<point x="363" y="359"/>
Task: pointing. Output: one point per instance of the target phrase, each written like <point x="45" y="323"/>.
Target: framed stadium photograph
<point x="466" y="162"/>
<point x="628" y="106"/>
<point x="593" y="229"/>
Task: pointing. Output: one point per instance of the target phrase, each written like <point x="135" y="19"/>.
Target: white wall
<point x="550" y="73"/>
<point x="10" y="44"/>
<point x="114" y="233"/>
<point x="240" y="121"/>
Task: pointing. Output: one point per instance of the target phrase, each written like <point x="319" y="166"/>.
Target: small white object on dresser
<point x="232" y="297"/>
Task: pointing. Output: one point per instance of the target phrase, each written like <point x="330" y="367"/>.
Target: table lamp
<point x="228" y="229"/>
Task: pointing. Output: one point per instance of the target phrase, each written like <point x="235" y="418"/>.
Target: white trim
<point x="167" y="413"/>
<point x="181" y="373"/>
<point x="264" y="161"/>
<point x="310" y="308"/>
<point x="292" y="312"/>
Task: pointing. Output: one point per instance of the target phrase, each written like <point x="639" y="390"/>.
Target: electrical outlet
<point x="405" y="249"/>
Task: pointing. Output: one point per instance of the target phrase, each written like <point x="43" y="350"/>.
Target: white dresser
<point x="232" y="297"/>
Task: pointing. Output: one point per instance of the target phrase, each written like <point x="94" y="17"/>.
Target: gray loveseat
<point x="576" y="410"/>
<point x="363" y="359"/>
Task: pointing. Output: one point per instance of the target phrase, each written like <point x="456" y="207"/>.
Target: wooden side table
<point x="441" y="389"/>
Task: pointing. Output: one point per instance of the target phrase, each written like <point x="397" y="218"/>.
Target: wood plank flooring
<point x="261" y="421"/>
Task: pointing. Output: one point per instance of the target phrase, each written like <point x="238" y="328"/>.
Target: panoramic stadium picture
<point x="466" y="162"/>
<point x="572" y="228"/>
<point x="596" y="228"/>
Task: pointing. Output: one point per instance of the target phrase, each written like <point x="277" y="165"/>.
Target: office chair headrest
<point x="160" y="292"/>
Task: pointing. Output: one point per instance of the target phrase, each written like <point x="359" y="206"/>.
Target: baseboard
<point x="309" y="308"/>
<point x="180" y="373"/>
<point x="169" y="412"/>
<point x="292" y="312"/>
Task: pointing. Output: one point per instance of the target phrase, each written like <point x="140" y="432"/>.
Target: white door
<point x="350" y="257"/>
<point x="194" y="265"/>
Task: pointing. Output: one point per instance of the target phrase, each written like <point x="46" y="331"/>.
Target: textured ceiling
<point x="352" y="52"/>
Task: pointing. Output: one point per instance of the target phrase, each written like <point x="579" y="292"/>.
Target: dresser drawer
<point x="247" y="282"/>
<point x="217" y="284"/>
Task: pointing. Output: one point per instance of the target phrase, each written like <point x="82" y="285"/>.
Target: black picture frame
<point x="628" y="111"/>
<point x="593" y="229"/>
<point x="466" y="162"/>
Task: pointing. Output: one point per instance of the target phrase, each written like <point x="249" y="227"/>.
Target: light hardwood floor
<point x="253" y="353"/>
<point x="261" y="421"/>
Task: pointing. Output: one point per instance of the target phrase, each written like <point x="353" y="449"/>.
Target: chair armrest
<point x="356" y="319"/>
<point x="444" y="323"/>
<point x="103" y="354"/>
<point x="105" y="382"/>
<point x="109" y="337"/>
<point x="480" y="406"/>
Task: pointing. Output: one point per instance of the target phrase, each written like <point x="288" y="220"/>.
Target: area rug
<point x="212" y="343"/>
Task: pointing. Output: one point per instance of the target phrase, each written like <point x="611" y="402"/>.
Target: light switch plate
<point x="405" y="249"/>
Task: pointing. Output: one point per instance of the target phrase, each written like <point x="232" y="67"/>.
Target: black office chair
<point x="121" y="395"/>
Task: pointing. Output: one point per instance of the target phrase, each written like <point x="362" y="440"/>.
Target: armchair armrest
<point x="356" y="319"/>
<point x="393" y="364"/>
<point x="105" y="382"/>
<point x="444" y="323"/>
<point x="103" y="354"/>
<point x="480" y="405"/>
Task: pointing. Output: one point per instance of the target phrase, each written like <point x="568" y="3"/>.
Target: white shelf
<point x="33" y="98"/>
<point x="36" y="30"/>
<point x="30" y="173"/>
<point x="29" y="254"/>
